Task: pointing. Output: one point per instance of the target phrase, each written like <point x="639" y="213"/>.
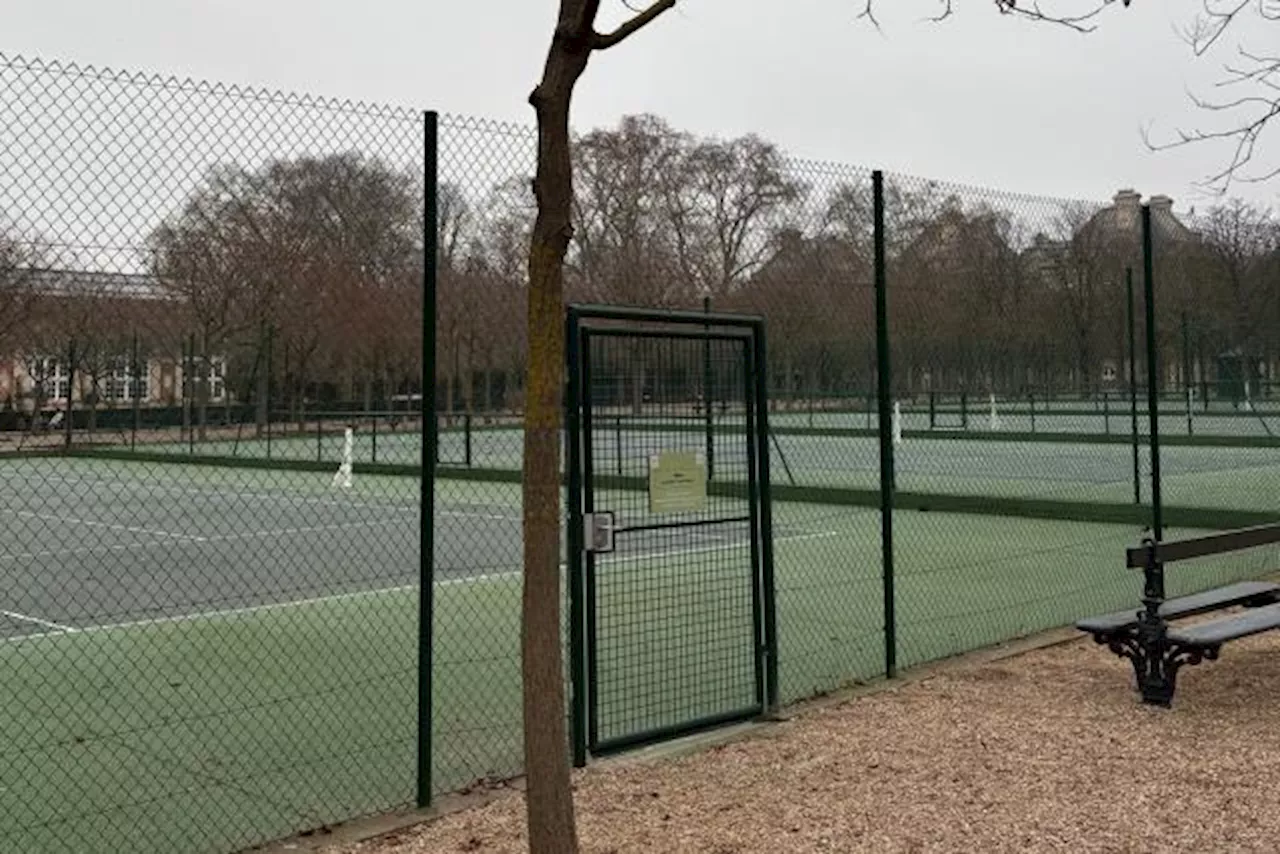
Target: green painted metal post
<point x="1153" y="374"/>
<point x="765" y="513"/>
<point x="68" y="408"/>
<point x="426" y="498"/>
<point x="1031" y="399"/>
<point x="1106" y="413"/>
<point x="135" y="388"/>
<point x="1133" y="387"/>
<point x="578" y="697"/>
<point x="1186" y="372"/>
<point x="933" y="409"/>
<point x="466" y="438"/>
<point x="190" y="386"/>
<point x="884" y="391"/>
<point x="708" y="417"/>
<point x="964" y="410"/>
<point x="617" y="445"/>
<point x="373" y="431"/>
<point x="271" y="329"/>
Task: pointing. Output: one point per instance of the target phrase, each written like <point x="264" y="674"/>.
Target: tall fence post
<point x="1133" y="387"/>
<point x="709" y="423"/>
<point x="71" y="392"/>
<point x="135" y="387"/>
<point x="1187" y="385"/>
<point x="884" y="390"/>
<point x="1153" y="373"/>
<point x="426" y="498"/>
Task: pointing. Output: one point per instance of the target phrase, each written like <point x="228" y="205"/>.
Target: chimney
<point x="1128" y="199"/>
<point x="1161" y="204"/>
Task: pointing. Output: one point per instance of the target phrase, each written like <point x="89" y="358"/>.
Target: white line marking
<point x="359" y="594"/>
<point x="48" y="624"/>
<point x="90" y="523"/>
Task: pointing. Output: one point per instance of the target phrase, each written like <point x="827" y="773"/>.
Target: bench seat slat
<point x="1217" y="632"/>
<point x="1186" y="606"/>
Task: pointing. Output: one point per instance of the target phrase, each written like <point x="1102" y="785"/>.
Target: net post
<point x="373" y="431"/>
<point x="426" y="495"/>
<point x="964" y="409"/>
<point x="884" y="389"/>
<point x="933" y="408"/>
<point x="1153" y="373"/>
<point x="1031" y="399"/>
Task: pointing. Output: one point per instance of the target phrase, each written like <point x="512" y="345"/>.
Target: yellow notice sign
<point x="677" y="482"/>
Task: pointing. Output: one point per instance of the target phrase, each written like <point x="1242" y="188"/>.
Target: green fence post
<point x="964" y="410"/>
<point x="578" y="678"/>
<point x="884" y="390"/>
<point x="270" y="383"/>
<point x="1133" y="387"/>
<point x="933" y="408"/>
<point x="1186" y="373"/>
<point x="1031" y="399"/>
<point x="426" y="497"/>
<point x="617" y="446"/>
<point x="708" y="418"/>
<point x="190" y="386"/>
<point x="1106" y="413"/>
<point x="373" y="423"/>
<point x="1153" y="374"/>
<point x="71" y="393"/>
<point x="135" y="389"/>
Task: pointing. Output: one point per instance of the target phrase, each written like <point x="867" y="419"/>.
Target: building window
<point x="52" y="380"/>
<point x="123" y="386"/>
<point x="217" y="377"/>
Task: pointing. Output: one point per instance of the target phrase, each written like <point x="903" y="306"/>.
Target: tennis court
<point x="247" y="638"/>
<point x="1244" y="478"/>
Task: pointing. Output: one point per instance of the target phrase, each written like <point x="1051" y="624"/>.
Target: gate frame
<point x="646" y="322"/>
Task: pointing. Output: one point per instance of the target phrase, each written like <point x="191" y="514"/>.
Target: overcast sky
<point x="980" y="98"/>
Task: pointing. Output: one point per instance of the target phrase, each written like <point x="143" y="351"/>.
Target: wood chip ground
<point x="1045" y="752"/>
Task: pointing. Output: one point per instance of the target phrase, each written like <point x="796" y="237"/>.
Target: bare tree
<point x="283" y="246"/>
<point x="1246" y="97"/>
<point x="1239" y="242"/>
<point x="21" y="263"/>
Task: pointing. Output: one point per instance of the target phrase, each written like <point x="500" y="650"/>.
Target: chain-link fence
<point x="213" y="423"/>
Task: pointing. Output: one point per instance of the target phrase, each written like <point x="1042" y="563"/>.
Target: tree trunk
<point x="548" y="798"/>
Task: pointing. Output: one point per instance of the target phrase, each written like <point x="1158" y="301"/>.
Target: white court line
<point x="212" y="538"/>
<point x="90" y="523"/>
<point x="361" y="594"/>
<point x="48" y="624"/>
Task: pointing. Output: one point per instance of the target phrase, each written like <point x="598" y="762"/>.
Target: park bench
<point x="1157" y="649"/>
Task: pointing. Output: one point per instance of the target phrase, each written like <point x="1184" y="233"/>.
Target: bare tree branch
<point x="608" y="40"/>
<point x="1249" y="105"/>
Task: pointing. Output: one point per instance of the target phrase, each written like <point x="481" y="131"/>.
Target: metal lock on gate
<point x="600" y="528"/>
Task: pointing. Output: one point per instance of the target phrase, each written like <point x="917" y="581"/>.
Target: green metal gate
<point x="672" y="618"/>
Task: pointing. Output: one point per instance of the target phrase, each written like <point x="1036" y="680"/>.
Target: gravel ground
<point x="1047" y="751"/>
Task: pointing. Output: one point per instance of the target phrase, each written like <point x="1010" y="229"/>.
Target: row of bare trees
<point x="305" y="274"/>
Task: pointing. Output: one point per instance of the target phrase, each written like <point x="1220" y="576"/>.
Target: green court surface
<point x="273" y="687"/>
<point x="1241" y="478"/>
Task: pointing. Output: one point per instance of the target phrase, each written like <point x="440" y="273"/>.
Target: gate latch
<point x="599" y="537"/>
